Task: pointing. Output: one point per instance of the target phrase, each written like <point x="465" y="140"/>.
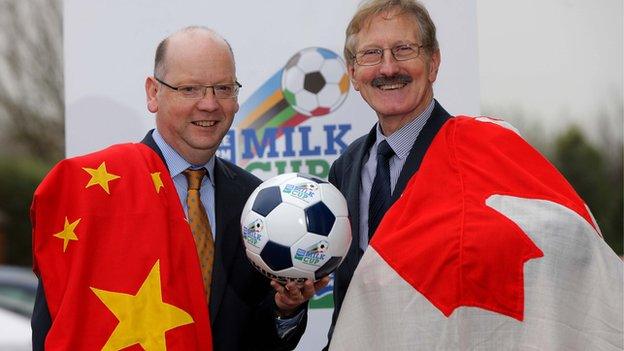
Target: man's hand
<point x="290" y="296"/>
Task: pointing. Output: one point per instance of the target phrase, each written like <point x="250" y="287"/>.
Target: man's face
<point x="396" y="90"/>
<point x="193" y="127"/>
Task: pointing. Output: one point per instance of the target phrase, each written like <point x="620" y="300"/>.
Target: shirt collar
<point x="402" y="140"/>
<point x="176" y="163"/>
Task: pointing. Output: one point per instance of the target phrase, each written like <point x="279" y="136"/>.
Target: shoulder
<point x="236" y="173"/>
<point x="351" y="150"/>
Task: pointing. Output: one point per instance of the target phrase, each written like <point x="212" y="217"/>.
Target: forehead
<point x="199" y="57"/>
<point x="386" y="29"/>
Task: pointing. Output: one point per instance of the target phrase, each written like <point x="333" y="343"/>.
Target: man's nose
<point x="389" y="66"/>
<point x="209" y="102"/>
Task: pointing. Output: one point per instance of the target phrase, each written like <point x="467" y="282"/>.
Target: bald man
<point x="193" y="94"/>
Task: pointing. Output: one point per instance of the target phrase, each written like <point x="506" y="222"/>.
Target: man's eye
<point x="189" y="89"/>
<point x="403" y="49"/>
<point x="223" y="88"/>
<point x="371" y="52"/>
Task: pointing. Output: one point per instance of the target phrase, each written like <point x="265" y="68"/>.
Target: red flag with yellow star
<point x="116" y="256"/>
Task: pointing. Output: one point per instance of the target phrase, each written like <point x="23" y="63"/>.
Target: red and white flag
<point x="116" y="256"/>
<point x="488" y="248"/>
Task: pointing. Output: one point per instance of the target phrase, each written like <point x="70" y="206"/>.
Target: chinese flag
<point x="488" y="248"/>
<point x="116" y="256"/>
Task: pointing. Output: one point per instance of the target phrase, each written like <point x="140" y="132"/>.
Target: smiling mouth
<point x="204" y="123"/>
<point x="391" y="83"/>
<point x="392" y="86"/>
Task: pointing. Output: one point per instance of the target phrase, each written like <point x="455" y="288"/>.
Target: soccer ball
<point x="296" y="227"/>
<point x="315" y="81"/>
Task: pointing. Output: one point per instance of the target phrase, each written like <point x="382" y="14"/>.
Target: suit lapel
<point x="353" y="180"/>
<point x="227" y="242"/>
<point x="438" y="117"/>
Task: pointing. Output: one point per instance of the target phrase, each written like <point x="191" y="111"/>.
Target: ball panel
<point x="267" y="200"/>
<point x="310" y="61"/>
<point x="340" y="237"/>
<point x="294" y="274"/>
<point x="310" y="252"/>
<point x="254" y="231"/>
<point x="319" y="219"/>
<point x="293" y="61"/>
<point x="329" y="96"/>
<point x="327" y="54"/>
<point x="313" y="82"/>
<point x="333" y="71"/>
<point x="306" y="102"/>
<point x="293" y="79"/>
<point x="276" y="256"/>
<point x="328" y="267"/>
<point x="334" y="200"/>
<point x="300" y="192"/>
<point x="286" y="224"/>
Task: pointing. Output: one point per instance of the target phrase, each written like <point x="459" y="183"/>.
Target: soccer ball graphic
<point x="315" y="81"/>
<point x="296" y="227"/>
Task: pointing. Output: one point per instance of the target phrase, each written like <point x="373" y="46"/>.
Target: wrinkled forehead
<point x="375" y="27"/>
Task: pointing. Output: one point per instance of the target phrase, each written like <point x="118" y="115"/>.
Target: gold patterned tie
<point x="200" y="226"/>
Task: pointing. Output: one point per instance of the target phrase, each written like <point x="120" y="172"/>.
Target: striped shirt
<point x="177" y="164"/>
<point x="401" y="143"/>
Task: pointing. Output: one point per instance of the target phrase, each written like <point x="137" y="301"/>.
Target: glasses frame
<point x="415" y="46"/>
<point x="177" y="89"/>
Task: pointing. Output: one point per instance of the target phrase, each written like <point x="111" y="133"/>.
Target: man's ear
<point x="351" y="73"/>
<point x="434" y="66"/>
<point x="151" y="90"/>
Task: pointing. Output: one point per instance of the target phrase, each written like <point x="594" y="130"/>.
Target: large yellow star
<point x="68" y="232"/>
<point x="100" y="176"/>
<point x="143" y="318"/>
<point x="157" y="181"/>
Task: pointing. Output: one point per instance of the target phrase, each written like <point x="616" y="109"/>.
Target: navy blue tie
<point x="380" y="191"/>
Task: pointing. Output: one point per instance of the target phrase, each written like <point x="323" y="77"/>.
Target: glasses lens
<point x="192" y="91"/>
<point x="404" y="52"/>
<point x="369" y="57"/>
<point x="224" y="91"/>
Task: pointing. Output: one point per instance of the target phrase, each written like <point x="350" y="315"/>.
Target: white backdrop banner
<point x="298" y="111"/>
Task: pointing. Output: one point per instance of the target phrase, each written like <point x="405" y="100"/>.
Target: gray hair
<point x="370" y="8"/>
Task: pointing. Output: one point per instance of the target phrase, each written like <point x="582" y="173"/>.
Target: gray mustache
<point x="398" y="79"/>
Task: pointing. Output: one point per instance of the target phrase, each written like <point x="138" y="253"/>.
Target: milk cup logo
<point x="302" y="191"/>
<point x="252" y="233"/>
<point x="313" y="254"/>
<point x="269" y="132"/>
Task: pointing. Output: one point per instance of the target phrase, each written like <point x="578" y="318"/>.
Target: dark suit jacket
<point x="346" y="175"/>
<point x="242" y="305"/>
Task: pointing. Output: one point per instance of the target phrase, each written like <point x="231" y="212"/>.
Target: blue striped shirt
<point x="401" y="143"/>
<point x="177" y="164"/>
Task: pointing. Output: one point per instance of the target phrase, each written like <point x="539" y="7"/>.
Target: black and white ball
<point x="296" y="227"/>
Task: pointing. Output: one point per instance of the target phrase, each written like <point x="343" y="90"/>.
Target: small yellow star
<point x="143" y="318"/>
<point x="100" y="176"/>
<point x="157" y="181"/>
<point x="68" y="232"/>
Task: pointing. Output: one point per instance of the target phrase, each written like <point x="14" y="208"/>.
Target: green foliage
<point x="596" y="179"/>
<point x="19" y="178"/>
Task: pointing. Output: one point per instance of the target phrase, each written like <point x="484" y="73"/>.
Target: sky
<point x="556" y="61"/>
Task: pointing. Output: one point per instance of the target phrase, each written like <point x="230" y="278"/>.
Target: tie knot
<point x="194" y="177"/>
<point x="384" y="149"/>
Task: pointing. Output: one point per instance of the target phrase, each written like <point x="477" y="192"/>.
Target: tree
<point x="595" y="180"/>
<point x="31" y="79"/>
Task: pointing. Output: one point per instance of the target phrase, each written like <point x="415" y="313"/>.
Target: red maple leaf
<point x="443" y="239"/>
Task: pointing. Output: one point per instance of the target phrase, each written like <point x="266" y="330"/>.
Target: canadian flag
<point x="488" y="248"/>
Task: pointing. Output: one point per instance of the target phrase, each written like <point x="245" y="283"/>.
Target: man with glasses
<point x="193" y="94"/>
<point x="476" y="240"/>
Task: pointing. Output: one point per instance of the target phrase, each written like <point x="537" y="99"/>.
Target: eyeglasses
<point x="198" y="91"/>
<point x="374" y="56"/>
